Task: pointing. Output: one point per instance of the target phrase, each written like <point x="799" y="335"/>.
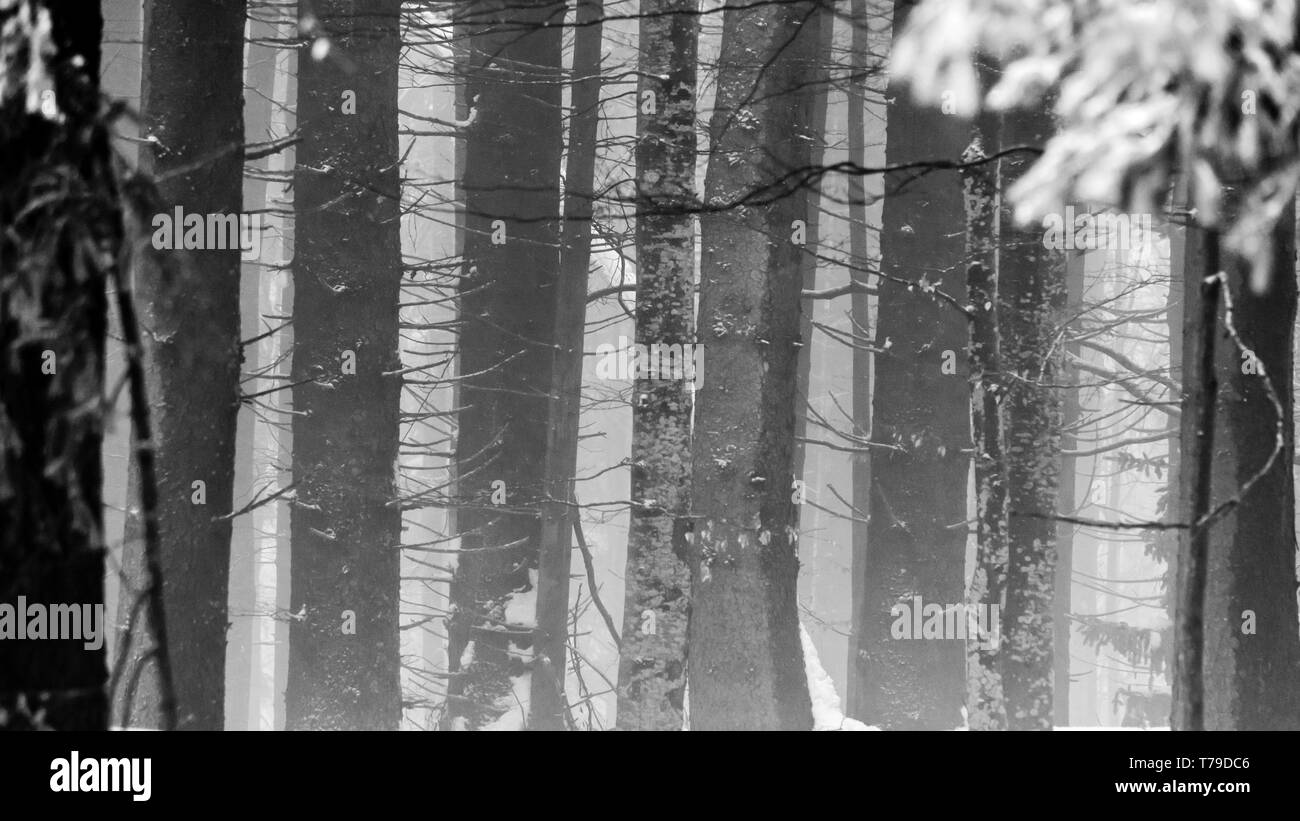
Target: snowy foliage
<point x="1141" y="89"/>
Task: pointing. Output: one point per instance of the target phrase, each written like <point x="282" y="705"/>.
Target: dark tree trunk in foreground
<point x="507" y="322"/>
<point x="921" y="405"/>
<point x="192" y="106"/>
<point x="652" y="660"/>
<point x="984" y="681"/>
<point x="343" y="637"/>
<point x="1250" y="659"/>
<point x="1202" y="294"/>
<point x="746" y="660"/>
<point x="1031" y="300"/>
<point x="559" y="515"/>
<point x="54" y="266"/>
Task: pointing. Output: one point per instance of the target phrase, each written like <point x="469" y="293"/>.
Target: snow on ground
<point x="516" y="718"/>
<point x="827" y="714"/>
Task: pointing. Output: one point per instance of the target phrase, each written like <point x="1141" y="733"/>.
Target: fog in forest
<point x="648" y="364"/>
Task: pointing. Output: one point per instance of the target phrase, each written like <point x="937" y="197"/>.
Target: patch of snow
<point x="521" y="609"/>
<point x="515" y="718"/>
<point x="686" y="703"/>
<point x="826" y="711"/>
<point x="453" y="559"/>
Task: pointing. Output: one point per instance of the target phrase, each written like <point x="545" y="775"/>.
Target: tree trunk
<point x="921" y="404"/>
<point x="985" y="707"/>
<point x="1238" y="657"/>
<point x="192" y="106"/>
<point x="1031" y="300"/>
<point x="559" y="515"/>
<point x="506" y="345"/>
<point x="746" y="661"/>
<point x="54" y="267"/>
<point x="1202" y="294"/>
<point x="652" y="658"/>
<point x="344" y="661"/>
